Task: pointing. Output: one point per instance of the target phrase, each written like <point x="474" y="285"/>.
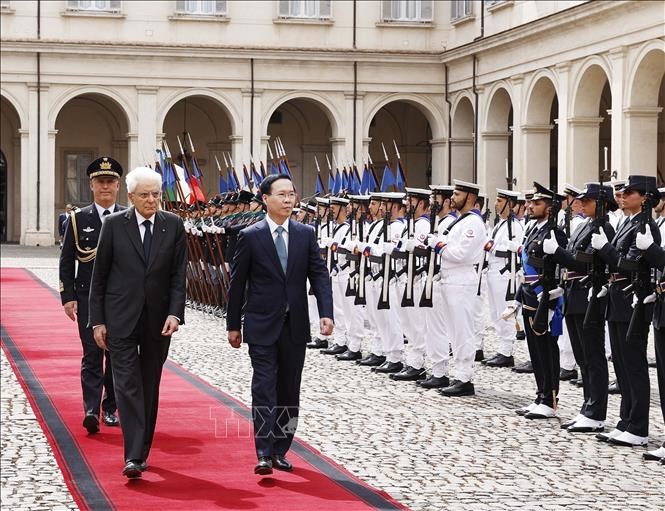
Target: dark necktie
<point x="106" y="212"/>
<point x="281" y="248"/>
<point x="147" y="239"/>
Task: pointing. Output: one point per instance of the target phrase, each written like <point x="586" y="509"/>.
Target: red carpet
<point x="202" y="456"/>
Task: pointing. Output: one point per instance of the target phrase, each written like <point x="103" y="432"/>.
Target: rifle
<point x="547" y="275"/>
<point x="430" y="265"/>
<point x="384" y="298"/>
<point x="361" y="297"/>
<point x="512" y="283"/>
<point x="351" y="257"/>
<point x="407" y="297"/>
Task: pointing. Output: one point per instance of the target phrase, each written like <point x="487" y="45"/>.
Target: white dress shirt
<point x="140" y="219"/>
<point x="273" y="231"/>
<point x="100" y="210"/>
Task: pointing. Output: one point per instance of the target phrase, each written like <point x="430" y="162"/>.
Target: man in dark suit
<point x="80" y="244"/>
<point x="276" y="325"/>
<point x="62" y="222"/>
<point x="137" y="301"/>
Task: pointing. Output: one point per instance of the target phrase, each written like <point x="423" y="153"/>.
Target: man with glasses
<point x="274" y="259"/>
<point x="79" y="244"/>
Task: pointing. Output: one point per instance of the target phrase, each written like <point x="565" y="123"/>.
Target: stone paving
<point x="427" y="451"/>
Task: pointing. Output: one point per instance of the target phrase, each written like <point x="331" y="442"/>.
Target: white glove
<point x="598" y="241"/>
<point x="644" y="240"/>
<point x="650" y="299"/>
<point x="326" y="241"/>
<point x="513" y="245"/>
<point x="556" y="293"/>
<point x="387" y="247"/>
<point x="590" y="294"/>
<point x="634" y="300"/>
<point x="409" y="245"/>
<point x="510" y="311"/>
<point x="550" y="244"/>
<point x="433" y="241"/>
<point x="377" y="249"/>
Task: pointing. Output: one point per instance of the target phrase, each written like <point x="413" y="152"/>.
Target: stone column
<point x="641" y="140"/>
<point x="238" y="148"/>
<point x="348" y="128"/>
<point x="25" y="183"/>
<point x="439" y="161"/>
<point x="462" y="158"/>
<point x="519" y="107"/>
<point x="144" y="150"/>
<point x="242" y="142"/>
<point x="583" y="145"/>
<point x="492" y="164"/>
<point x="535" y="155"/>
<point x="566" y="172"/>
<point x="620" y="143"/>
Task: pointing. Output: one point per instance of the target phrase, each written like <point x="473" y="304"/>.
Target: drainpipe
<point x="355" y="85"/>
<point x="251" y="108"/>
<point x="475" y="121"/>
<point x="39" y="116"/>
<point x="450" y="128"/>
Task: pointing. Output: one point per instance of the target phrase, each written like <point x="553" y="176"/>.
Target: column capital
<point x="517" y="79"/>
<point x="25" y="133"/>
<point x="642" y="111"/>
<point x="495" y="135"/>
<point x="52" y="133"/>
<point x="585" y="121"/>
<point x="537" y="128"/>
<point x="618" y="52"/>
<point x="265" y="138"/>
<point x="563" y="67"/>
<point x="147" y="89"/>
<point x="480" y="89"/>
<point x="461" y="141"/>
<point x="43" y="87"/>
<point x="337" y="141"/>
<point x="132" y="136"/>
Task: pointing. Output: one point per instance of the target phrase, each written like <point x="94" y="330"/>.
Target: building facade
<point x="495" y="91"/>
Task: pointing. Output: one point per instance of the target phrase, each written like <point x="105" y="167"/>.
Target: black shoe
<point x="349" y="355"/>
<point x="91" y="422"/>
<point x="281" y="463"/>
<point x="500" y="360"/>
<point x="110" y="419"/>
<point x="458" y="388"/>
<point x="520" y="336"/>
<point x="567" y="374"/>
<point x="132" y="469"/>
<point x="317" y="344"/>
<point x="372" y="360"/>
<point x="408" y="374"/>
<point x="525" y="368"/>
<point x="434" y="383"/>
<point x="567" y="424"/>
<point x="264" y="466"/>
<point x="388" y="367"/>
<point x="613" y="388"/>
<point x="335" y="349"/>
<point x="143" y="466"/>
<point x="480" y="356"/>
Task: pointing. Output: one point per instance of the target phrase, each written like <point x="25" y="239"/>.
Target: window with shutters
<point x="201" y="8"/>
<point x="94" y="5"/>
<point x="77" y="183"/>
<point x="305" y="9"/>
<point x="461" y="9"/>
<point x="406" y="10"/>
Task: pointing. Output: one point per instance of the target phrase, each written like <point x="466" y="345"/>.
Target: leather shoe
<point x="91" y="422"/>
<point x="434" y="383"/>
<point x="525" y="368"/>
<point x="349" y="355"/>
<point x="408" y="374"/>
<point x="110" y="419"/>
<point x="500" y="360"/>
<point x="372" y="360"/>
<point x="317" y="344"/>
<point x="281" y="463"/>
<point x="567" y="374"/>
<point x="335" y="349"/>
<point x="132" y="469"/>
<point x="388" y="367"/>
<point x="655" y="455"/>
<point x="458" y="388"/>
<point x="480" y="356"/>
<point x="264" y="466"/>
<point x="613" y="388"/>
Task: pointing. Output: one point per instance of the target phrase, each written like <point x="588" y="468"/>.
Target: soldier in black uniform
<point x="80" y="245"/>
<point x="587" y="339"/>
<point x="629" y="354"/>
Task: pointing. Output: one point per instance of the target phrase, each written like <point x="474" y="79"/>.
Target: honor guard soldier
<point x="617" y="217"/>
<point x="502" y="268"/>
<point x="460" y="250"/>
<point x="585" y="277"/>
<point x="541" y="301"/>
<point x="628" y="315"/>
<point x="76" y="262"/>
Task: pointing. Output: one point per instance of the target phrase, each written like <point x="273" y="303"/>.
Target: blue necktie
<point x="281" y="248"/>
<point x="147" y="240"/>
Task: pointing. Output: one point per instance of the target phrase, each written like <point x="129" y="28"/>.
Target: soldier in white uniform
<point x="481" y="290"/>
<point x="459" y="250"/>
<point x="509" y="230"/>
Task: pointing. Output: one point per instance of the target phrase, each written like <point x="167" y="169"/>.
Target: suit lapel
<point x="133" y="232"/>
<point x="158" y="233"/>
<point x="269" y="245"/>
<point x="292" y="251"/>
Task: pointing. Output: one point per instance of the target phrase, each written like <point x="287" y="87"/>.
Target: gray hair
<point x="143" y="175"/>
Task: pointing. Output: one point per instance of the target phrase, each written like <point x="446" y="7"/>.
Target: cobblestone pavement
<point x="427" y="451"/>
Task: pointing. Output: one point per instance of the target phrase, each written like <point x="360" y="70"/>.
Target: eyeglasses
<point x="145" y="195"/>
<point x="283" y="195"/>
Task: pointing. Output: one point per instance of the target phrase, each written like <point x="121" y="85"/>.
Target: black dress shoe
<point x="372" y="360"/>
<point x="335" y="349"/>
<point x="408" y="374"/>
<point x="132" y="469"/>
<point x="91" y="422"/>
<point x="281" y="463"/>
<point x="349" y="355"/>
<point x="434" y="383"/>
<point x="317" y="344"/>
<point x="458" y="388"/>
<point x="143" y="466"/>
<point x="388" y="367"/>
<point x="264" y="466"/>
<point x="567" y="424"/>
<point x="480" y="356"/>
<point x="613" y="388"/>
<point x="500" y="360"/>
<point x="110" y="419"/>
<point x="567" y="374"/>
<point x="525" y="368"/>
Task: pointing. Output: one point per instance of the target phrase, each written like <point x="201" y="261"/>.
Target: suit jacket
<point x="74" y="285"/>
<point x="124" y="283"/>
<point x="270" y="292"/>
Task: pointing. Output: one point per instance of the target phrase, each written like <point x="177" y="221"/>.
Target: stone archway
<point x="10" y="173"/>
<point x="462" y="140"/>
<point x="540" y="135"/>
<point x="497" y="143"/>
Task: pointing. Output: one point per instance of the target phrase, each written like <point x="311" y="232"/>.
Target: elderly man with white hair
<point x="137" y="301"/>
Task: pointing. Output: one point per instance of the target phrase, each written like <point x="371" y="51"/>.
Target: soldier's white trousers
<point x="437" y="341"/>
<point x="387" y="322"/>
<point x="497" y="285"/>
<point x="349" y="316"/>
<point x="413" y="323"/>
<point x="376" y="345"/>
<point x="566" y="356"/>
